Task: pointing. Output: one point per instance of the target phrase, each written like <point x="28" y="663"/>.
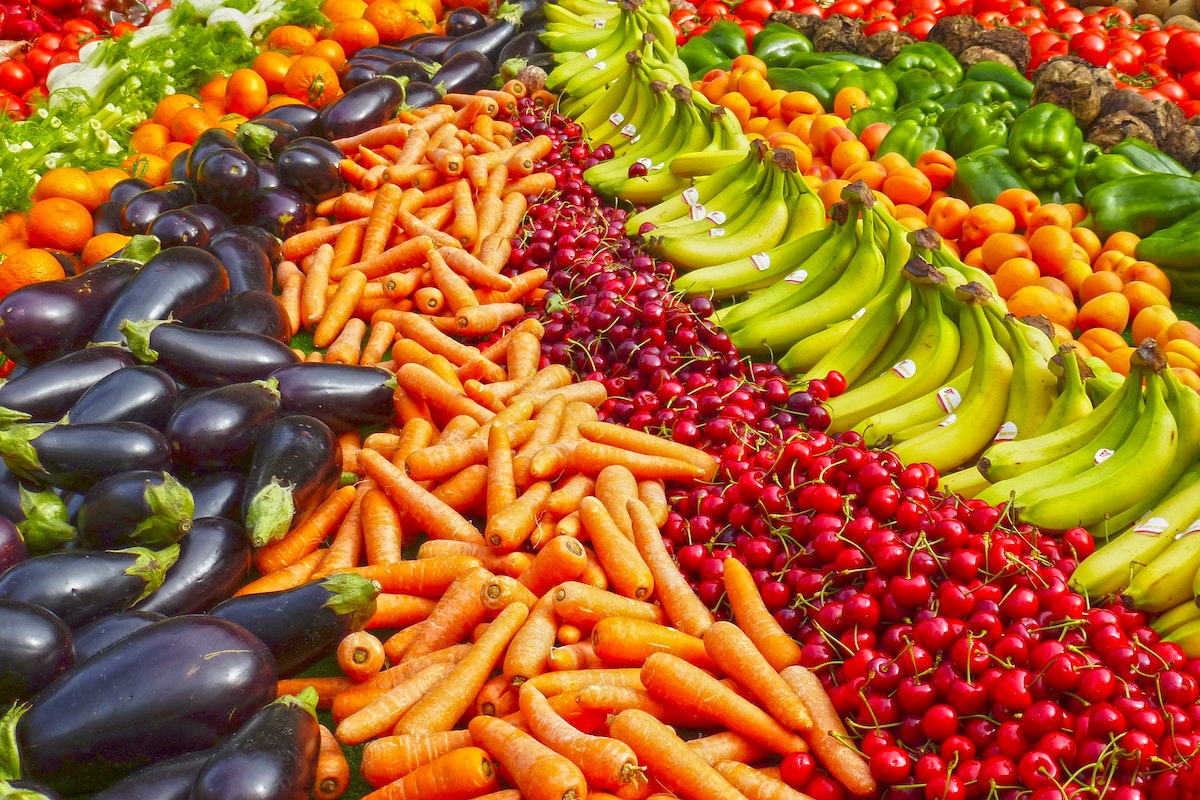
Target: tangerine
<point x="29" y="266"/>
<point x="60" y="223"/>
<point x="312" y="80"/>
<point x="71" y="183"/>
<point x="101" y="246"/>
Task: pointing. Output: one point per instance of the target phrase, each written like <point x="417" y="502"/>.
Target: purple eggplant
<point x="215" y="220"/>
<point x="431" y="48"/>
<point x="48" y="391"/>
<point x="273" y="755"/>
<point x="76" y="457"/>
<point x="178" y="167"/>
<point x="100" y="633"/>
<point x="269" y="243"/>
<point x="281" y="211"/>
<point x="10" y="493"/>
<point x="490" y="40"/>
<point x="107" y="218"/>
<point x="526" y="45"/>
<point x="179" y="282"/>
<point x="218" y="494"/>
<point x="301" y="626"/>
<point x="411" y="71"/>
<point x="138" y="508"/>
<point x="245" y="263"/>
<point x="305" y="119"/>
<point x="266" y="137"/>
<point x="27" y="790"/>
<point x="217" y="429"/>
<point x="179" y="226"/>
<point x="392" y="53"/>
<point x="83" y="585"/>
<point x="360" y="71"/>
<point x="12" y="545"/>
<point x="214" y="560"/>
<point x="138" y="393"/>
<point x="421" y="95"/>
<point x="204" y="357"/>
<point x="268" y="174"/>
<point x="122" y="191"/>
<point x="296" y="463"/>
<point x="343" y="396"/>
<point x="35" y="648"/>
<point x="167" y="780"/>
<point x="466" y="71"/>
<point x="362" y="108"/>
<point x="255" y="311"/>
<point x="464" y="19"/>
<point x="310" y="171"/>
<point x="46" y="320"/>
<point x="225" y="178"/>
<point x="142" y="209"/>
<point x="175" y="687"/>
<point x="207" y="143"/>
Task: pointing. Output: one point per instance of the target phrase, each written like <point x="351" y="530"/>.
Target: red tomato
<point x="849" y="8"/>
<point x="63" y="57"/>
<point x="713" y="10"/>
<point x="16" y="77"/>
<point x="1125" y="62"/>
<point x="1155" y="38"/>
<point x="991" y="19"/>
<point x="38" y="60"/>
<point x="1190" y="81"/>
<point x="1092" y="46"/>
<point x="48" y="41"/>
<point x="122" y="28"/>
<point x="1069" y="14"/>
<point x="74" y="26"/>
<point x="1173" y="91"/>
<point x="11" y="105"/>
<point x="920" y="24"/>
<point x="756" y="10"/>
<point x="1024" y="15"/>
<point x="1115" y="16"/>
<point x="988" y="6"/>
<point x="1191" y="108"/>
<point x="880" y="25"/>
<point x="808" y="7"/>
<point x="1183" y="51"/>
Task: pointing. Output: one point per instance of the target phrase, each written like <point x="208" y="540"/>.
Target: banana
<point x="867" y="336"/>
<point x="726" y="208"/>
<point x="679" y="207"/>
<point x="804" y="354"/>
<point x="1113" y="485"/>
<point x="1168" y="579"/>
<point x="1034" y="388"/>
<point x="1072" y="402"/>
<point x="1187" y="636"/>
<point x="757" y="271"/>
<point x="1175" y="618"/>
<point x="962" y="435"/>
<point x="581" y="16"/>
<point x="608" y="104"/>
<point x="587" y="8"/>
<point x="616" y="131"/>
<point x="662" y="183"/>
<point x="702" y="164"/>
<point x="643" y="146"/>
<point x="966" y="482"/>
<point x="596" y="64"/>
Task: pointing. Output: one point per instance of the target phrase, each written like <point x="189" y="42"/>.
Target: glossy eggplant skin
<point x="214" y="560"/>
<point x="48" y="391"/>
<point x="305" y="119"/>
<point x="269" y="243"/>
<point x="138" y="393"/>
<point x="12" y="547"/>
<point x="122" y="191"/>
<point x="178" y="226"/>
<point x="431" y="48"/>
<point x="76" y="457"/>
<point x="488" y="41"/>
<point x="207" y="143"/>
<point x="215" y="220"/>
<point x="464" y="20"/>
<point x="217" y="429"/>
<point x="10" y="497"/>
<point x="255" y="311"/>
<point x="139" y="508"/>
<point x="178" y="282"/>
<point x="167" y="780"/>
<point x="281" y="211"/>
<point x="142" y="209"/>
<point x="35" y="648"/>
<point x="527" y="45"/>
<point x="245" y="263"/>
<point x="175" y="687"/>
<point x="310" y="172"/>
<point x="364" y="107"/>
<point x="43" y="321"/>
<point x="79" y="586"/>
<point x="465" y="71"/>
<point x="225" y="178"/>
<point x="343" y="396"/>
<point x="421" y="95"/>
<point x="303" y="625"/>
<point x="273" y="755"/>
<point x="414" y="71"/>
<point x="296" y="461"/>
<point x="99" y="634"/>
<point x="215" y="358"/>
<point x="217" y="494"/>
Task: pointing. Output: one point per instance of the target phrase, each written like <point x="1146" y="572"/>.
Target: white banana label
<point x="1007" y="432"/>
<point x="716" y="232"/>
<point x="690" y="195"/>
<point x="599" y="65"/>
<point x="760" y="261"/>
<point x="590" y="52"/>
<point x="1193" y="528"/>
<point x="905" y="369"/>
<point x="1151" y="527"/>
<point x="716" y="217"/>
<point x="696" y="212"/>
<point x="629" y="130"/>
<point x="858" y="313"/>
<point x="948" y="421"/>
<point x="1102" y="455"/>
<point x="617" y="118"/>
<point x="636" y="139"/>
<point x="599" y="23"/>
<point x="949" y="399"/>
<point x="799" y="276"/>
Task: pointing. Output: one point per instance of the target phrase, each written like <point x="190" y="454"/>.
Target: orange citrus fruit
<point x="151" y="168"/>
<point x="329" y="51"/>
<point x="71" y="183"/>
<point x="150" y="138"/>
<point x="171" y="105"/>
<point x="189" y="123"/>
<point x="108" y="177"/>
<point x="389" y="18"/>
<point x="341" y="10"/>
<point x="272" y="66"/>
<point x="101" y="246"/>
<point x="32" y="265"/>
<point x="60" y="223"/>
<point x="312" y="80"/>
<point x="290" y="39"/>
<point x="355" y="34"/>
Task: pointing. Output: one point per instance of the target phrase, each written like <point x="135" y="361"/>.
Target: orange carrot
<point x="585" y="605"/>
<point x="611" y="700"/>
<point x="511" y="526"/>
<point x="429" y="300"/>
<point x="552" y="683"/>
<point x="615" y="485"/>
<point x="669" y="759"/>
<point x="752" y="616"/>
<point x="497" y="698"/>
<point x="442" y="368"/>
<point x="680" y="683"/>
<point x="570" y="634"/>
<point x="384" y="134"/>
<point x="591" y="393"/>
<point x="289" y="577"/>
<point x="416" y="503"/>
<point x="415" y="327"/>
<point x="391" y="677"/>
<point x="426" y="577"/>
<point x="390" y="758"/>
<point x="537" y="771"/>
<point x="735" y="654"/>
<point x="459" y="774"/>
<point x="399" y="610"/>
<point x="654" y="495"/>
<point x="291" y="288"/>
<point x="347" y="246"/>
<point x="569" y="493"/>
<point x="340" y="308"/>
<point x="457" y="611"/>
<point x="416" y="228"/>
<point x="382" y="713"/>
<point x="530" y="186"/>
<point x="360" y="655"/>
<point x="474" y="270"/>
<point x="500" y="590"/>
<point x="523" y="284"/>
<point x="647" y="444"/>
<point x="347" y="347"/>
<point x="828" y="736"/>
<point x="381" y="220"/>
<point x="561" y="559"/>
<point x="399" y="285"/>
<point x="405" y="255"/>
<point x="624" y="565"/>
<point x="349" y="443"/>
<point x="378" y="343"/>
<point x="326" y="686"/>
<point x="501" y="487"/>
<point x="625" y="641"/>
<point x="454" y="287"/>
<point x="316" y="281"/>
<point x="571" y="526"/>
<point x="511" y="564"/>
<point x="683" y="608"/>
<point x="423" y="384"/>
<point x="308" y="535"/>
<point x="530" y="647"/>
<point x="591" y="457"/>
<point x="465" y="227"/>
<point x="481" y="320"/>
<point x="346" y="546"/>
<point x="755" y="784"/>
<point x="727" y="746"/>
<point x="301" y="244"/>
<point x="549" y="421"/>
<point x="576" y="655"/>
<point x="593" y="575"/>
<point x="466" y="490"/>
<point x="333" y="770"/>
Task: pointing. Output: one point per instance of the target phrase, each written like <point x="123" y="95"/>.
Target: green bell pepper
<point x="864" y="117"/>
<point x="818" y="80"/>
<point x="971" y="126"/>
<point x="921" y="84"/>
<point x="981" y="176"/>
<point x="777" y="42"/>
<point x="910" y="139"/>
<point x="700" y="55"/>
<point x="1105" y="167"/>
<point x="880" y="89"/>
<point x="927" y="56"/>
<point x="1046" y="146"/>
<point x="729" y="37"/>
<point x="983" y="92"/>
<point x="804" y="60"/>
<point x="1141" y="204"/>
<point x="1019" y="87"/>
<point x="1176" y="251"/>
<point x="925" y="112"/>
<point x="1148" y="157"/>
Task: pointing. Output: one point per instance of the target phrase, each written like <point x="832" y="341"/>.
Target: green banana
<point x="644" y="145"/>
<point x="867" y="336"/>
<point x="1187" y="636"/>
<point x="1174" y="618"/>
<point x="754" y="272"/>
<point x="679" y="207"/>
<point x="701" y="164"/>
<point x="1168" y="579"/>
<point x="605" y="104"/>
<point x="1072" y="402"/>
<point x="966" y="482"/>
<point x="1034" y="388"/>
<point x="734" y="204"/>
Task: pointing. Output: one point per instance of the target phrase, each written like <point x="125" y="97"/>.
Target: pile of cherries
<point x="948" y="637"/>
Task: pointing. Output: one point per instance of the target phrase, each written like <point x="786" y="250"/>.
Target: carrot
<point x="466" y="490"/>
<point x="360" y="655"/>
<point x="683" y="608"/>
<point x="612" y="700"/>
<point x="517" y="415"/>
<point x="648" y="444"/>
<point x="415" y="327"/>
<point x="481" y="320"/>
<point x="429" y="300"/>
<point x="585" y="605"/>
<point x="727" y="746"/>
<point x="382" y="713"/>
<point x="755" y="784"/>
<point x="381" y="220"/>
<point x="511" y="564"/>
<point x="735" y="654"/>
<point x="828" y="736"/>
<point x="425" y="577"/>
<point x="394" y="610"/>
<point x="347" y="347"/>
<point x="626" y="641"/>
<point x="315" y="357"/>
<point x="680" y="683"/>
<point x="326" y="686"/>
<point x="552" y="683"/>
<point x="399" y="285"/>
<point x="390" y="758"/>
<point x="384" y="134"/>
<point x="591" y="457"/>
<point x="346" y="547"/>
<point x="509" y="528"/>
<point x="445" y="704"/>
<point x="523" y="283"/>
<point x="391" y="677"/>
<point x="668" y="758"/>
<point x="459" y="774"/>
<point x="536" y="770"/>
<point x="333" y="770"/>
<point x="614" y="486"/>
<point x="423" y="384"/>
<point x="340" y="308"/>
<point x="405" y="255"/>
<point x="752" y="616"/>
<point x="500" y="590"/>
<point x="416" y="503"/>
<point x="474" y="270"/>
<point x="572" y="655"/>
<point x="561" y="559"/>
<point x="569" y="493"/>
<point x="440" y="366"/>
<point x="458" y="610"/>
<point x="301" y="244"/>
<point x="289" y="577"/>
<point x="408" y="409"/>
<point x="442" y="460"/>
<point x="465" y="227"/>
<point x="624" y="565"/>
<point x="654" y="495"/>
<point x="316" y="281"/>
<point x="453" y="286"/>
<point x="291" y="289"/>
<point x="549" y="421"/>
<point x="501" y="487"/>
<point x="497" y="698"/>
<point x="306" y="537"/>
<point x="591" y="393"/>
<point x="529" y="649"/>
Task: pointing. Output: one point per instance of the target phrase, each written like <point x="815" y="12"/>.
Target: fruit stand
<point x="600" y="399"/>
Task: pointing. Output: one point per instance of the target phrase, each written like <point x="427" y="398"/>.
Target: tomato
<point x="991" y="19"/>
<point x="1092" y="46"/>
<point x="920" y="24"/>
<point x="808" y="7"/>
<point x="63" y="57"/>
<point x="880" y="25"/>
<point x="713" y="10"/>
<point x="756" y="10"/>
<point x="751" y="27"/>
<point x="38" y="60"/>
<point x="1191" y="108"/>
<point x="1173" y="91"/>
<point x="1069" y="14"/>
<point x="11" y="105"/>
<point x="1153" y="39"/>
<point x="49" y="41"/>
<point x="1190" y="81"/>
<point x="1020" y="17"/>
<point x="1125" y="62"/>
<point x="1183" y="51"/>
<point x="16" y="77"/>
<point x="1115" y="17"/>
<point x="849" y="8"/>
<point x="74" y="26"/>
<point x="988" y="6"/>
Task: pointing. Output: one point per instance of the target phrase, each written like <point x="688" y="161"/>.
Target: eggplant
<point x="47" y="391"/>
<point x="107" y="218"/>
<point x="391" y="54"/>
<point x="207" y="143"/>
<point x="269" y="244"/>
<point x="268" y="174"/>
<point x="527" y="45"/>
<point x="364" y="107"/>
<point x="46" y="522"/>
<point x="178" y="166"/>
<point x="139" y="508"/>
<point x="273" y="755"/>
<point x="256" y="311"/>
<point x="27" y="790"/>
<point x="421" y="95"/>
<point x="100" y="633"/>
<point x="343" y="396"/>
<point x="360" y="71"/>
<point x="167" y="780"/>
<point x="245" y="263"/>
<point x="310" y="171"/>
<point x="323" y="146"/>
<point x="76" y="457"/>
<point x="431" y="48"/>
<point x="123" y="190"/>
<point x="466" y="71"/>
<point x="215" y="220"/>
<point x="206" y="358"/>
<point x="178" y="282"/>
<point x="12" y="545"/>
<point x="411" y="71"/>
<point x="266" y="137"/>
<point x="296" y="463"/>
<point x="217" y="429"/>
<point x="35" y="648"/>
<point x="175" y="687"/>
<point x="79" y="586"/>
<point x="281" y="211"/>
<point x="178" y="226"/>
<point x="214" y="560"/>
<point x="225" y="178"/>
<point x="42" y="321"/>
<point x="305" y="119"/>
<point x="138" y="393"/>
<point x="490" y="40"/>
<point x="528" y="8"/>
<point x="217" y="494"/>
<point x="141" y="210"/>
<point x="301" y="626"/>
<point x="10" y="495"/>
<point x="464" y="19"/>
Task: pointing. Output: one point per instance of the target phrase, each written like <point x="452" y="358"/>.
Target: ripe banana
<point x="643" y="146"/>
<point x="966" y="482"/>
<point x="1168" y="579"/>
<point x="730" y="207"/>
<point x="1072" y="402"/>
<point x="753" y="272"/>
<point x="1187" y="636"/>
<point x="1175" y="618"/>
<point x="1034" y="388"/>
